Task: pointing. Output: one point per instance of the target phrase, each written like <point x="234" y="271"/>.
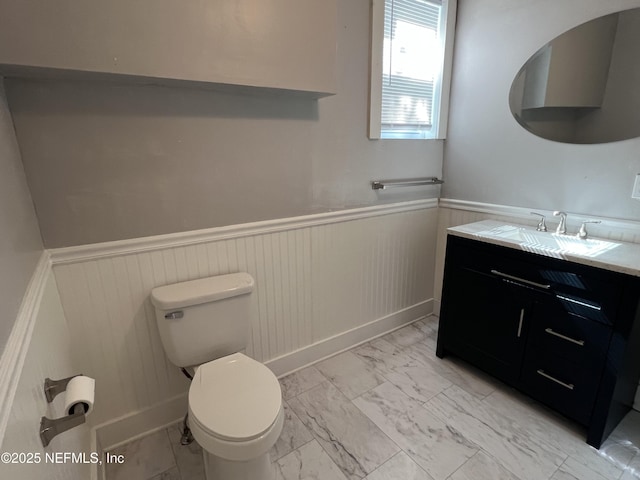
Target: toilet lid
<point x="235" y="397"/>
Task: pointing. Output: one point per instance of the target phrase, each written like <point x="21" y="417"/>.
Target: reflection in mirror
<point x="583" y="86"/>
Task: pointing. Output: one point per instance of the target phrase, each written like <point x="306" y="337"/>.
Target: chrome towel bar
<point x="414" y="182"/>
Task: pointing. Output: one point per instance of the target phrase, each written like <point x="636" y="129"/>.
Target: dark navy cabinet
<point x="489" y="337"/>
<point x="564" y="333"/>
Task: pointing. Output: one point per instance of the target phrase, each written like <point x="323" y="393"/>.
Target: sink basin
<point x="549" y="243"/>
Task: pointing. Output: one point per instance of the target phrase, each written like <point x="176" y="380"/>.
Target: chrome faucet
<point x="562" y="226"/>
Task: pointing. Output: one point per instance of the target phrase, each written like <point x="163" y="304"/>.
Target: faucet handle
<point x="582" y="233"/>
<point x="542" y="226"/>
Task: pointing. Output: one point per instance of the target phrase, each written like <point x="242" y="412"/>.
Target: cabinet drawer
<point x="576" y="289"/>
<point x="567" y="386"/>
<point x="589" y="298"/>
<point x="485" y="259"/>
<point x="569" y="336"/>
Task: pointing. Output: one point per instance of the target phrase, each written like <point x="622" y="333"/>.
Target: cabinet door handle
<point x="521" y="280"/>
<point x="520" y="324"/>
<point x="570" y="386"/>
<point x="564" y="337"/>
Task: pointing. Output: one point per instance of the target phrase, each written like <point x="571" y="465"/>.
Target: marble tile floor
<point x="390" y="409"/>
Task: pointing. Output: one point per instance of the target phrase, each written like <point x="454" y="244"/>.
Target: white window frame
<point x="442" y="85"/>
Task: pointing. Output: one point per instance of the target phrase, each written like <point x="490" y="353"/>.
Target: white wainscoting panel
<point x="316" y="277"/>
<point x="49" y="354"/>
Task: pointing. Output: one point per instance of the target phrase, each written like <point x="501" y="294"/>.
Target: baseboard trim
<point x="15" y="352"/>
<point x="436" y="307"/>
<point x="94" y="251"/>
<point x="130" y="427"/>
<point x="122" y="430"/>
<point x="315" y="352"/>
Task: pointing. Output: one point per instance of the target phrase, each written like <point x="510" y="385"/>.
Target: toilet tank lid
<point x="203" y="290"/>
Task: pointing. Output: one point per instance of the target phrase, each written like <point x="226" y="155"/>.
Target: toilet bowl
<point x="236" y="415"/>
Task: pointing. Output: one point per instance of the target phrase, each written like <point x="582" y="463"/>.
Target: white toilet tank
<point x="203" y="319"/>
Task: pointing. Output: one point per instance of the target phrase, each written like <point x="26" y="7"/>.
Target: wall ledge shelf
<point x="269" y="45"/>
<point x="237" y="87"/>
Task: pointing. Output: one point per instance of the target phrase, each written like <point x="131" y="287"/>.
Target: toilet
<point x="235" y="402"/>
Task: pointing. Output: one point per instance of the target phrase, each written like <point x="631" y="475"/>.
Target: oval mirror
<point x="583" y="86"/>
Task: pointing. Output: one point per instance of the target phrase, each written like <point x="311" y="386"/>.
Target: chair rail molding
<point x="95" y="251"/>
<point x="15" y="351"/>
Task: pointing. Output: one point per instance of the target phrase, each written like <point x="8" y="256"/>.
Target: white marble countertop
<point x="611" y="255"/>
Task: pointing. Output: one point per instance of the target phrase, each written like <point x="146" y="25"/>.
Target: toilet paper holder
<point x="49" y="428"/>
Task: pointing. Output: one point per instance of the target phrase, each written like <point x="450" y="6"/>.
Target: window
<point x="411" y="49"/>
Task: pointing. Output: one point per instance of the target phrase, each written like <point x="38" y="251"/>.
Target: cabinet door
<point x="484" y="322"/>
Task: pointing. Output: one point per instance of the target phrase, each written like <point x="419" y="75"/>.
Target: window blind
<point x="411" y="64"/>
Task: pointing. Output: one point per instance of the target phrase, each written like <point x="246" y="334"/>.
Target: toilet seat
<point x="234" y="399"/>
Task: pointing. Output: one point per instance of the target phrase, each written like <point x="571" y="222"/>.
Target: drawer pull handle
<point x="520" y="324"/>
<point x="578" y="302"/>
<point x="521" y="280"/>
<point x="564" y="337"/>
<point x="570" y="386"/>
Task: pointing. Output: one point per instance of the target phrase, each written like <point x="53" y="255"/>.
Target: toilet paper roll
<point x="81" y="390"/>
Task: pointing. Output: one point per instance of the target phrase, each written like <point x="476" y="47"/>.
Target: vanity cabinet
<point x="562" y="332"/>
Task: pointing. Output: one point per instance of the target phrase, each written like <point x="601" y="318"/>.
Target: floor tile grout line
<point x="499" y="462"/>
<point x="557" y="469"/>
<point x="400" y="449"/>
<point x="394" y="456"/>
<point x="464" y="463"/>
<point x="382" y="432"/>
<point x="311" y="387"/>
<point x="173" y="452"/>
<point x="306" y="429"/>
<point x="314" y="439"/>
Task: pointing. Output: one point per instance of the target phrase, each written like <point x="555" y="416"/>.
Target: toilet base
<point x="216" y="468"/>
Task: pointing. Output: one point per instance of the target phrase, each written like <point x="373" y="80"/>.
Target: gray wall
<point x="20" y="243"/>
<point x="489" y="157"/>
<point x="107" y="161"/>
